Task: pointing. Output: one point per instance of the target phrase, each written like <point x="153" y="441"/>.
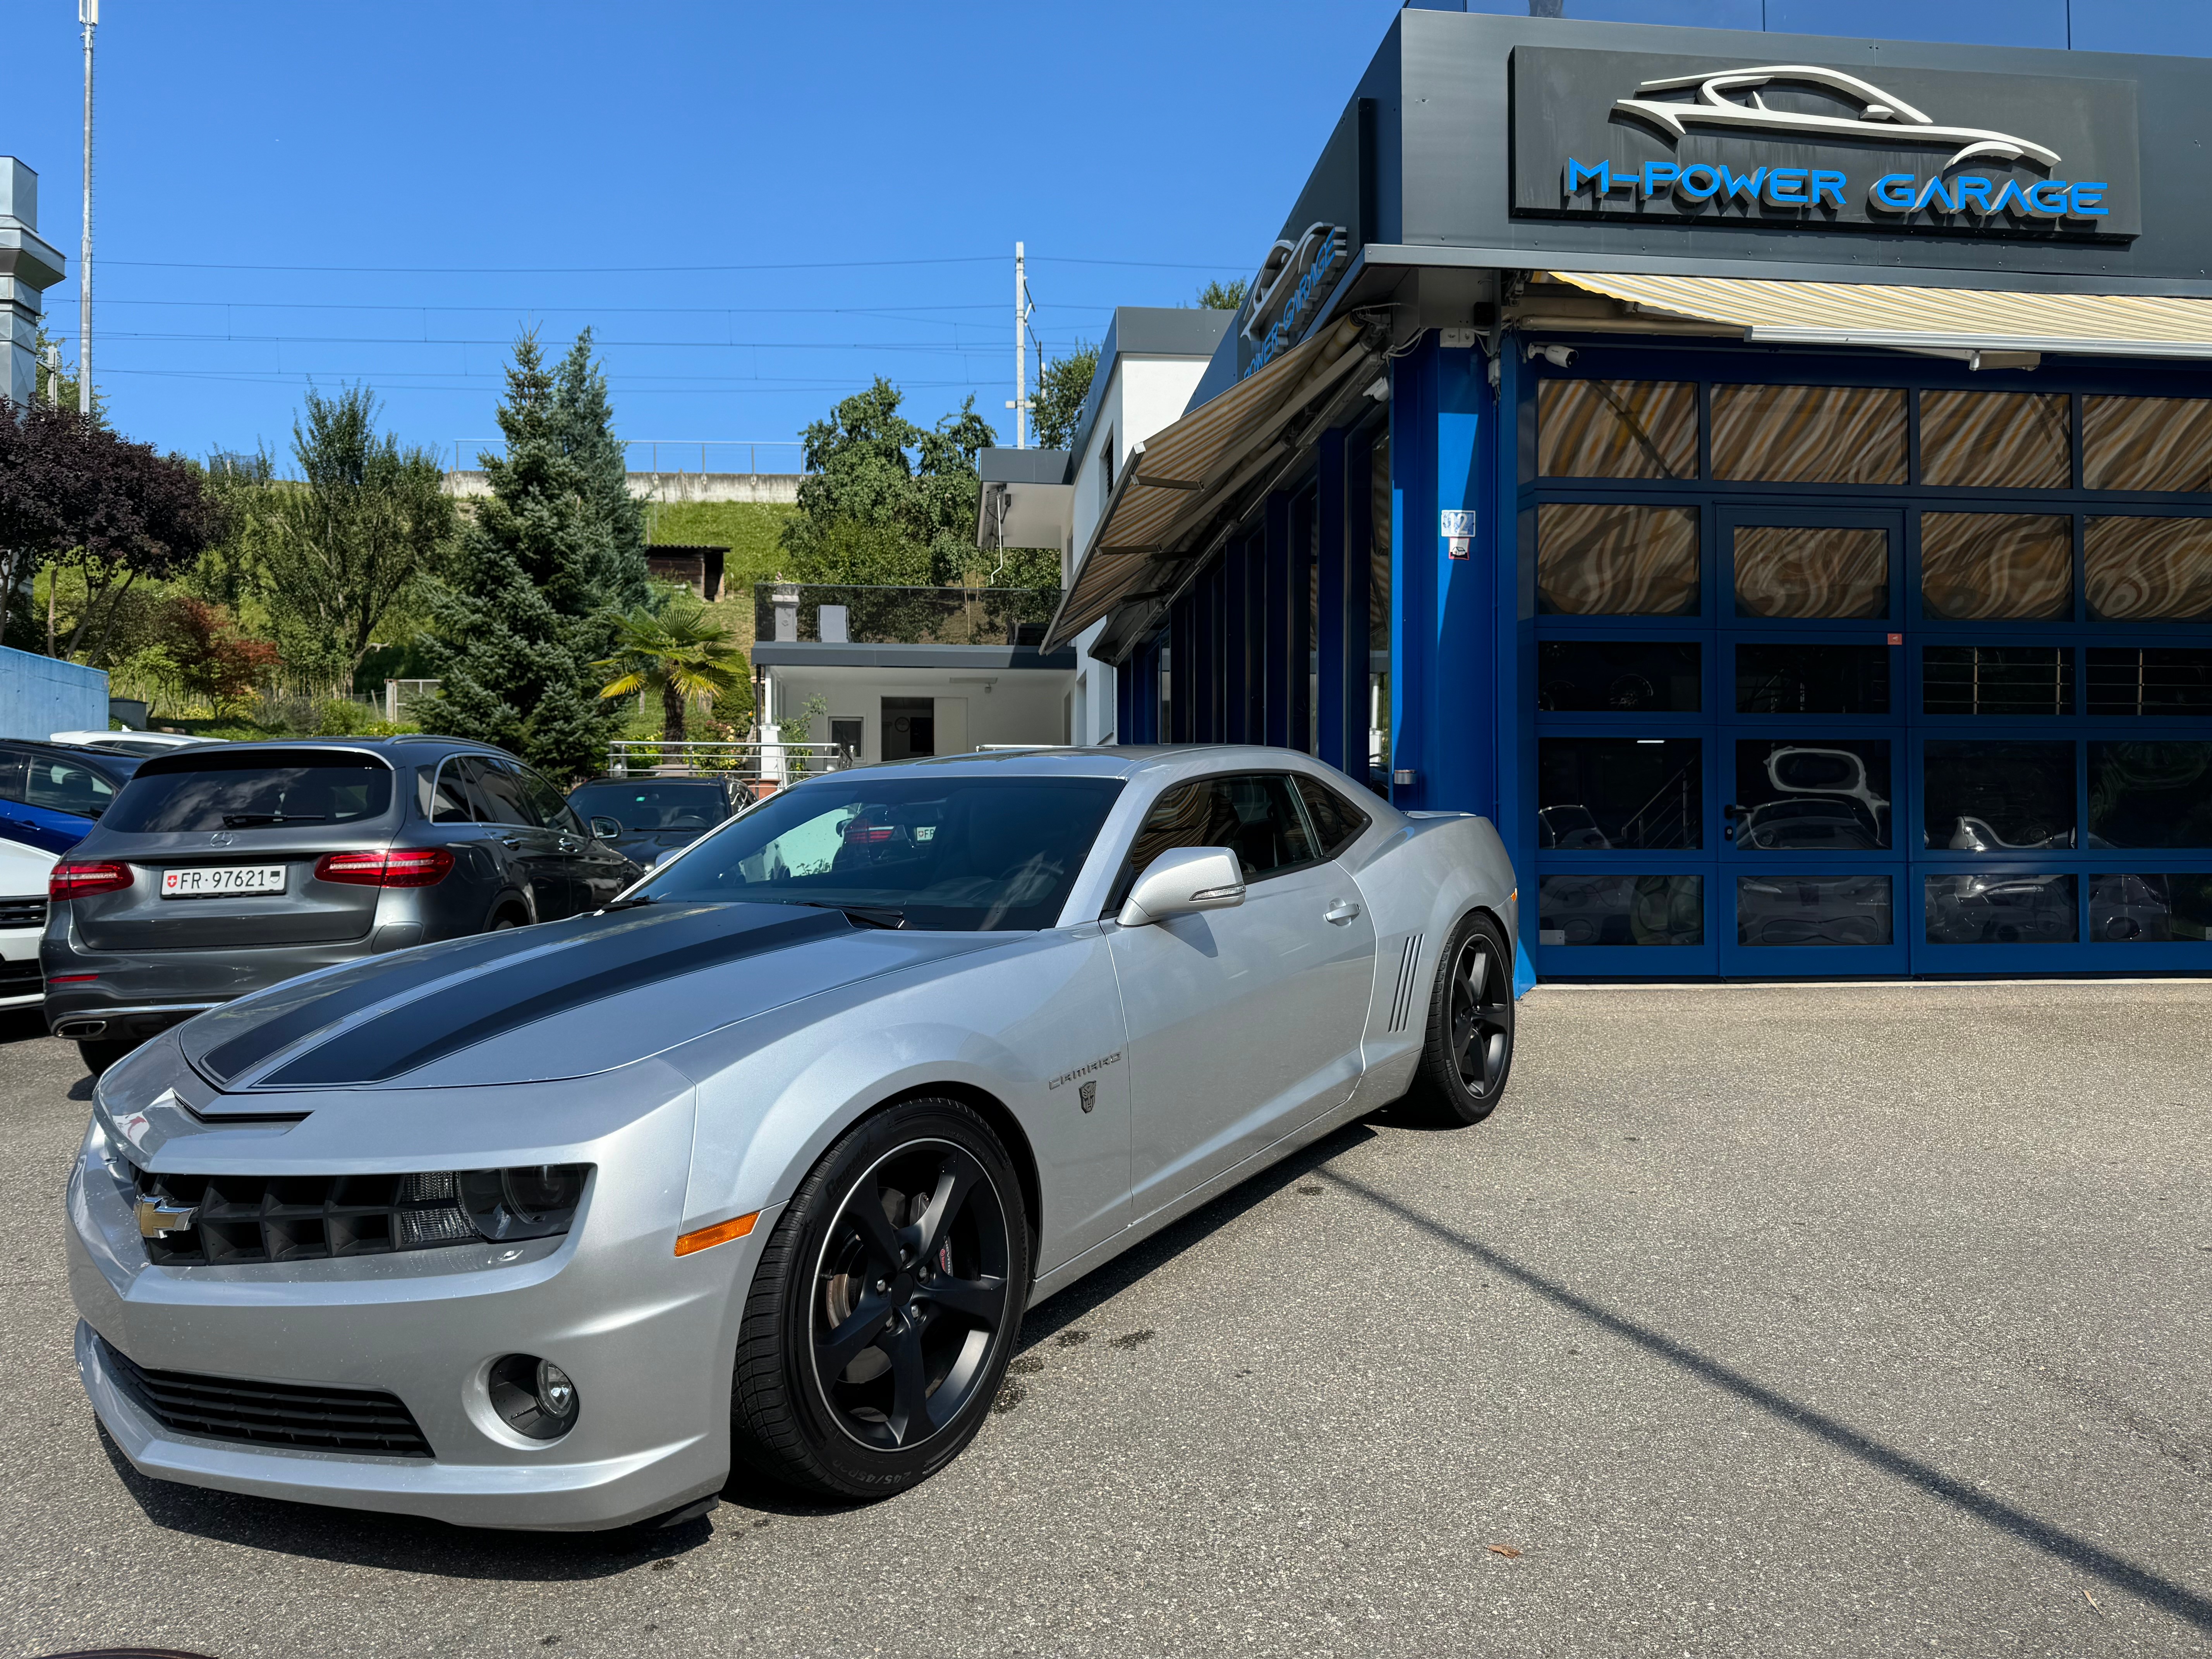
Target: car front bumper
<point x="647" y="1337"/>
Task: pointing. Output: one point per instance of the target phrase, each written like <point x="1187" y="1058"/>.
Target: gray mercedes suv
<point x="223" y="870"/>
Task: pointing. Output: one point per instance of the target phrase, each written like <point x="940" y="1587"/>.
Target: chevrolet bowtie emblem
<point x="160" y="1217"/>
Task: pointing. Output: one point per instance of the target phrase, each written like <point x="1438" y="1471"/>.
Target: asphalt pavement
<point x="1759" y="1321"/>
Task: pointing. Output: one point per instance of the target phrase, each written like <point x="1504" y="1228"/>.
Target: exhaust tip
<point x="80" y="1029"/>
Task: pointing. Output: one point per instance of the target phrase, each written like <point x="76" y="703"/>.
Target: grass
<point x="751" y="530"/>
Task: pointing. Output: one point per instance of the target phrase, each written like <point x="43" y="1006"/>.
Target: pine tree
<point x="586" y="421"/>
<point x="539" y="576"/>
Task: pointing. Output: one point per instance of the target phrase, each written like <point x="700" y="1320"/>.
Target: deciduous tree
<point x="340" y="545"/>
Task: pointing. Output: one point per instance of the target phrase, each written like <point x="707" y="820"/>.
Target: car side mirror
<point x="1182" y="882"/>
<point x="607" y="828"/>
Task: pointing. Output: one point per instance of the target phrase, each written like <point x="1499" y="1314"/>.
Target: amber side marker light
<point x="721" y="1233"/>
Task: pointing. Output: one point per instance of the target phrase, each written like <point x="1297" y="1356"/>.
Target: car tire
<point x="1467" y="1051"/>
<point x="99" y="1055"/>
<point x="871" y="1350"/>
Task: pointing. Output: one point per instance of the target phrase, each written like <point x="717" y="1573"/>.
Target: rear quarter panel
<point x="1417" y="883"/>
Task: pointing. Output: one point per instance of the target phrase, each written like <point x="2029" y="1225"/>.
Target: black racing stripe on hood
<point x="591" y="968"/>
<point x="371" y="982"/>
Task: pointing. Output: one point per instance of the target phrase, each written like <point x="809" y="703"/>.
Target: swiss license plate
<point x="219" y="880"/>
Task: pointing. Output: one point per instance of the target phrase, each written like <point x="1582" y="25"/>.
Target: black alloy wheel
<point x="1467" y="1050"/>
<point x="886" y="1306"/>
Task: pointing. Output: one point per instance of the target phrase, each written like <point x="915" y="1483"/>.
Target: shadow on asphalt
<point x="2077" y="1552"/>
<point x="400" y="1543"/>
<point x="21" y="1025"/>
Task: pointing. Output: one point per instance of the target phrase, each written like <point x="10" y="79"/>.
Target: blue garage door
<point x="1852" y="677"/>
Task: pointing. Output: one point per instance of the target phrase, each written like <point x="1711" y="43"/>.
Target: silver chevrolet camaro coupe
<point x="759" y="1167"/>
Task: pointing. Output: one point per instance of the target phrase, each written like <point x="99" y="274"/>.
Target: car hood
<point x="646" y="845"/>
<point x="530" y="1005"/>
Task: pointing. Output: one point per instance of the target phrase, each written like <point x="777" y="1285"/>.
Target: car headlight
<point x="531" y="1200"/>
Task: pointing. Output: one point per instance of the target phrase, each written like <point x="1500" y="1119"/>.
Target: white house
<point x="1149" y="365"/>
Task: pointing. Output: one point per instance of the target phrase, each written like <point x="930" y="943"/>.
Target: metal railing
<point x="766" y="764"/>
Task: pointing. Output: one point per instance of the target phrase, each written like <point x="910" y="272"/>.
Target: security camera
<point x="1558" y="356"/>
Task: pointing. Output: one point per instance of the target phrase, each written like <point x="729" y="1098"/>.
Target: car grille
<point x="235" y="1219"/>
<point x="17" y="977"/>
<point x="23" y="912"/>
<point x="270" y="1413"/>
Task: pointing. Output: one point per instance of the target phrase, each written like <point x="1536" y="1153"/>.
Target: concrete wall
<point x="767" y="488"/>
<point x="41" y="696"/>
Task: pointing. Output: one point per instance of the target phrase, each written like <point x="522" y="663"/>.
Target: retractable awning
<point x="1178" y="478"/>
<point x="1949" y="321"/>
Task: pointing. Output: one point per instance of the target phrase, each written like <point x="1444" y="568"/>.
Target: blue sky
<point x="757" y="207"/>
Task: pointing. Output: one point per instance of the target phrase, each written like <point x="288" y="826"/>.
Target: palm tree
<point x="682" y="653"/>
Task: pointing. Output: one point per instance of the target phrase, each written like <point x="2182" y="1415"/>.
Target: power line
<point x="648" y="270"/>
<point x="503" y="343"/>
<point x="890" y="313"/>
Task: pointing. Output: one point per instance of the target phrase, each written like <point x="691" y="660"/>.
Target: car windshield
<point x="250" y="791"/>
<point x="651" y="806"/>
<point x="956" y="853"/>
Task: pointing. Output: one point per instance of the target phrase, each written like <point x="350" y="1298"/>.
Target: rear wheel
<point x="1468" y="1051"/>
<point x="99" y="1055"/>
<point x="886" y="1306"/>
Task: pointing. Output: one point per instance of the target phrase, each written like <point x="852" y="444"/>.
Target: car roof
<point x="1114" y="760"/>
<point x="85" y="750"/>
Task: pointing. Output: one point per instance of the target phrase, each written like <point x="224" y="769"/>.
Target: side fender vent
<point x="1401" y="999"/>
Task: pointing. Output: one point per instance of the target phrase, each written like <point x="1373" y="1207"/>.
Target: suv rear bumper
<point x="142" y="993"/>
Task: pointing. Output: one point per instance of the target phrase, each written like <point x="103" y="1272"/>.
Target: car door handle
<point x="510" y="840"/>
<point x="1342" y="912"/>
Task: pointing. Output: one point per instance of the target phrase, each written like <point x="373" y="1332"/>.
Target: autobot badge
<point x="1089" y="1092"/>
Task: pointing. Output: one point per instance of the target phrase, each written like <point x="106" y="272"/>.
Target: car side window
<point x="498" y="791"/>
<point x="1336" y="822"/>
<point x="442" y="794"/>
<point x="63" y="785"/>
<point x="1253" y="814"/>
<point x="547" y="804"/>
<point x="11" y="775"/>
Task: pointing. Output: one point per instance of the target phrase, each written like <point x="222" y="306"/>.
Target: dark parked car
<point x="656" y="816"/>
<point x="52" y="793"/>
<point x="223" y="870"/>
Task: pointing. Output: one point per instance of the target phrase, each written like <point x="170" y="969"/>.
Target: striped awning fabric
<point x="1949" y="319"/>
<point x="1176" y="477"/>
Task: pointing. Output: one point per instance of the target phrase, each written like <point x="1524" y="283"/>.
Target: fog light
<point x="557" y="1394"/>
<point x="533" y="1396"/>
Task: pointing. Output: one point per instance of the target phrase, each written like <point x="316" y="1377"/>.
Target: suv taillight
<point x="68" y="881"/>
<point x="400" y="866"/>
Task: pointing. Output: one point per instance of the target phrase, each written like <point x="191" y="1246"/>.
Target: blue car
<point x="51" y="792"/>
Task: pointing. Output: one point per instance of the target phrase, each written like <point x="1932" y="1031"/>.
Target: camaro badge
<point x="159" y="1217"/>
<point x="1085" y="1071"/>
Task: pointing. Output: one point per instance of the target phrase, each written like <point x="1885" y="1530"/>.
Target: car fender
<point x="777" y="1091"/>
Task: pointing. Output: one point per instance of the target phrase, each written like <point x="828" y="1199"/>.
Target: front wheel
<point x="886" y="1306"/>
<point x="1467" y="1050"/>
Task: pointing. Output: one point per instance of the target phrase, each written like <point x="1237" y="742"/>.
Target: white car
<point x="132" y="743"/>
<point x="23" y="919"/>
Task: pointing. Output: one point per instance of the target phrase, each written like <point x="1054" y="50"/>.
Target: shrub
<point x="212" y="657"/>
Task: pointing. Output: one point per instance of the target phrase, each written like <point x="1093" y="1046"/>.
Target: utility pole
<point x="87" y="13"/>
<point x="1021" y="404"/>
<point x="53" y="374"/>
